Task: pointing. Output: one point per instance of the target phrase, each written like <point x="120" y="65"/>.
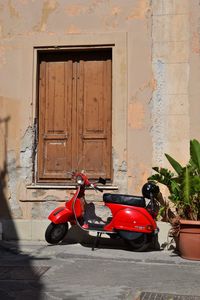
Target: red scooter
<point x="132" y="219"/>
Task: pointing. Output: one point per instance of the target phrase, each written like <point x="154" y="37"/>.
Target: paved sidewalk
<point x="73" y="271"/>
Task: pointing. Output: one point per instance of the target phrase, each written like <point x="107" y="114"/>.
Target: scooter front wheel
<point x="56" y="232"/>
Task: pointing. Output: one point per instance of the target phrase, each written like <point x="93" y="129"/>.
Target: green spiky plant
<point x="184" y="185"/>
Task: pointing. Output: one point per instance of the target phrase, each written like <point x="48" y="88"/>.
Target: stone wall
<point x="156" y="70"/>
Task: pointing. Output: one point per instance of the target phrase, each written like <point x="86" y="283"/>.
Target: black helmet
<point x="150" y="189"/>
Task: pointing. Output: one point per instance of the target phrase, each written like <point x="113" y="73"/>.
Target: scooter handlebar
<point x="96" y="187"/>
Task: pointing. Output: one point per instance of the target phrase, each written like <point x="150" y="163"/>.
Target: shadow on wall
<point x="18" y="278"/>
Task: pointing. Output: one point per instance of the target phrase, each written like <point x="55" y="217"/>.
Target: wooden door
<point x="74" y="114"/>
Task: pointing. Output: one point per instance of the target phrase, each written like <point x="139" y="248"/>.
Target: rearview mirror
<point x="102" y="180"/>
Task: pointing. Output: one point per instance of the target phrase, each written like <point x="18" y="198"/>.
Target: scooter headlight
<point x="79" y="180"/>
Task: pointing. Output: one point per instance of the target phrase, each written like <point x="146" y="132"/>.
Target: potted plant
<point x="184" y="192"/>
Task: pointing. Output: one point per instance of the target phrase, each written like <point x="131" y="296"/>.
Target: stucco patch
<point x="136" y="115"/>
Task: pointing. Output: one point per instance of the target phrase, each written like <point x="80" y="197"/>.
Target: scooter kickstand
<point x="96" y="241"/>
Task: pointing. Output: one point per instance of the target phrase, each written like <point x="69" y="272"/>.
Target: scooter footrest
<point x="138" y="201"/>
<point x="95" y="226"/>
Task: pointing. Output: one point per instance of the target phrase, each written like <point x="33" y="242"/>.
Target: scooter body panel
<point x="60" y="214"/>
<point x="76" y="207"/>
<point x="130" y="218"/>
<point x="63" y="214"/>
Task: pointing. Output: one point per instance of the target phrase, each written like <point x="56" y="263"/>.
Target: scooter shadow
<point x="76" y="235"/>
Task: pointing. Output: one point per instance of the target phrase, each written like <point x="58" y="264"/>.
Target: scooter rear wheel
<point x="139" y="244"/>
<point x="56" y="232"/>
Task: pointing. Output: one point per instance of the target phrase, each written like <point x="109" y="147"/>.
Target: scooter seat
<point x="138" y="201"/>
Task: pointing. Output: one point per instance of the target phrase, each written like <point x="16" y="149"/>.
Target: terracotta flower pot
<point x="189" y="239"/>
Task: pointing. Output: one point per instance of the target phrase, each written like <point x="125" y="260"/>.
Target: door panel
<point x="74" y="114"/>
<point x="55" y="100"/>
<point x="55" y="151"/>
<point x="95" y="125"/>
<point x="93" y="96"/>
<point x="94" y="153"/>
<point x="55" y="144"/>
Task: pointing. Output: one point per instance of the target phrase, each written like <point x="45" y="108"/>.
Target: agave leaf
<point x="193" y="167"/>
<point x="177" y="167"/>
<point x="164" y="172"/>
<point x="175" y="187"/>
<point x="186" y="185"/>
<point x="195" y="182"/>
<point x="156" y="177"/>
<point x="195" y="153"/>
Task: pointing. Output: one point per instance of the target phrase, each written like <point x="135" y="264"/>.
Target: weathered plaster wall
<point x="140" y="88"/>
<point x="175" y="61"/>
<point x="170" y="58"/>
<point x="194" y="61"/>
<point x="156" y="93"/>
<point x="25" y="24"/>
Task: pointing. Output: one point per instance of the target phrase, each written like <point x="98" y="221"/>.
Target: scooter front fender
<point x="60" y="215"/>
<point x="133" y="219"/>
